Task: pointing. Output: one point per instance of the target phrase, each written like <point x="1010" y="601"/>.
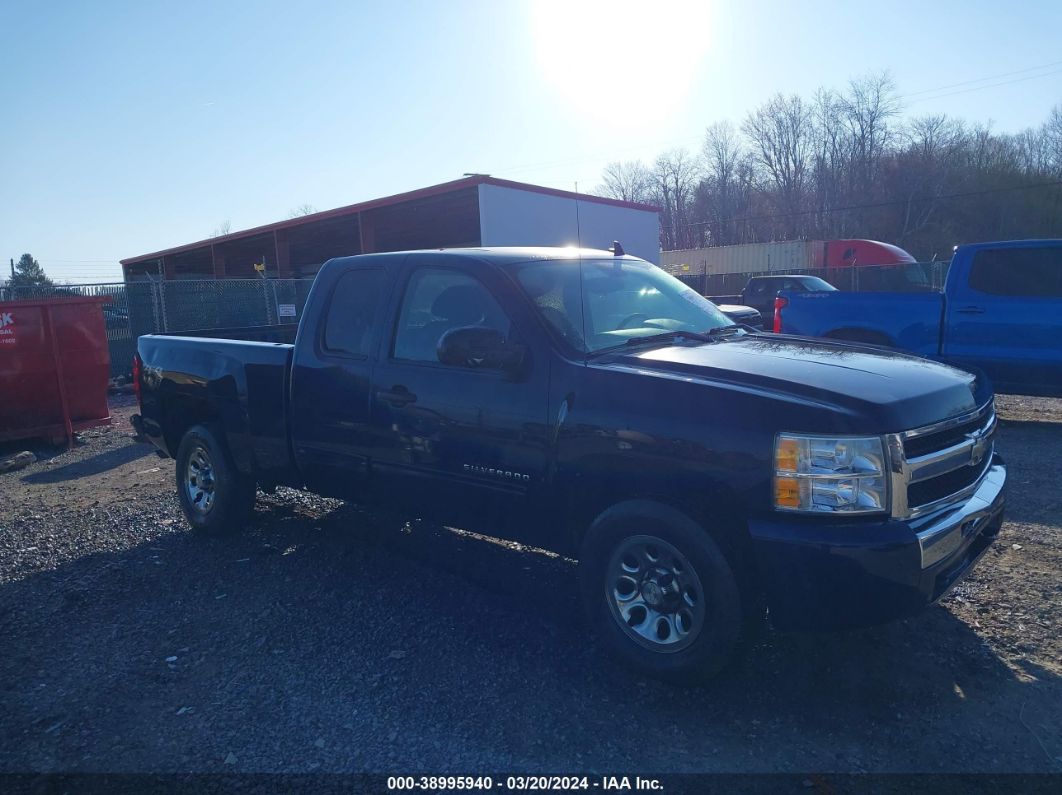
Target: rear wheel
<point x="661" y="592"/>
<point x="215" y="496"/>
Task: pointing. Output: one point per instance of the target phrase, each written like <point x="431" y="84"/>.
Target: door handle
<point x="971" y="310"/>
<point x="398" y="396"/>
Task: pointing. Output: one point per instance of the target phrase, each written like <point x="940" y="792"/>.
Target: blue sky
<point x="129" y="127"/>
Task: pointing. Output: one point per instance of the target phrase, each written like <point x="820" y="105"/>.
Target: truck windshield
<point x="814" y="284"/>
<point x="599" y="304"/>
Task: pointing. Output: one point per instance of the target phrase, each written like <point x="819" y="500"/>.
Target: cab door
<point x="464" y="445"/>
<point x="1005" y="318"/>
<point x="332" y="376"/>
<point x="759" y="295"/>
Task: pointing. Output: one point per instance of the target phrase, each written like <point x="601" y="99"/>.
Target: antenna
<point x="578" y="228"/>
<point x="579" y="261"/>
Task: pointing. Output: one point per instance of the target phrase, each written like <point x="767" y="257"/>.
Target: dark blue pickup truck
<point x="587" y="402"/>
<point x="1000" y="313"/>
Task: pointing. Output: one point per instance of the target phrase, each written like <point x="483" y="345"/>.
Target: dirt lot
<point x="328" y="639"/>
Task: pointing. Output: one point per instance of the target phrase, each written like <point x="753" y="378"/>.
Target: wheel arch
<point x="184" y="415"/>
<point x="718" y="514"/>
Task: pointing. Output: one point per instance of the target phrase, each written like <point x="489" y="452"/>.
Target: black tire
<point x="698" y="655"/>
<point x="231" y="493"/>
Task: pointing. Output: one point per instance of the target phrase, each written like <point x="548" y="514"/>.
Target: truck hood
<point x="886" y="390"/>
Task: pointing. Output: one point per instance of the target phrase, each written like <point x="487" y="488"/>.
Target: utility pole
<point x="12" y="267"/>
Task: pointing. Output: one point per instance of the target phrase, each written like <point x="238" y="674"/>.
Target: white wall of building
<point x="510" y="217"/>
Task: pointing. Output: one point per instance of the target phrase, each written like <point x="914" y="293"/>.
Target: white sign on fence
<point x="286" y="310"/>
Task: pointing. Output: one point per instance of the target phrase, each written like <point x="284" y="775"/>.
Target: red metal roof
<point x="398" y="198"/>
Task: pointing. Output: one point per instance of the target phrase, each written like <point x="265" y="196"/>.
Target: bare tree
<point x="844" y="164"/>
<point x="1053" y="137"/>
<point x="831" y="162"/>
<point x="301" y="210"/>
<point x="1034" y="150"/>
<point x="780" y="134"/>
<point x="629" y="181"/>
<point x="924" y="169"/>
<point x="724" y="192"/>
<point x="868" y="108"/>
<point x="221" y="229"/>
<point x="675" y="175"/>
<point x="989" y="154"/>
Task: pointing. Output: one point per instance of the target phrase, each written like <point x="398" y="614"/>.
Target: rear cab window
<point x="1014" y="272"/>
<point x="352" y="311"/>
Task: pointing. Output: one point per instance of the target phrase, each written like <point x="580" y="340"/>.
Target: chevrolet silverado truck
<point x="703" y="474"/>
<point x="1000" y="312"/>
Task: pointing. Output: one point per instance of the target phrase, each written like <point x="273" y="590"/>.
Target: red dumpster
<point x="54" y="367"/>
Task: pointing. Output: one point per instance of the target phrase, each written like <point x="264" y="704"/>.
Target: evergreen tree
<point x="28" y="273"/>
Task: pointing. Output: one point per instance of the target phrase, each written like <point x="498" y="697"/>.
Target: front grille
<point x="935" y="489"/>
<point x="948" y="459"/>
<point x="939" y="440"/>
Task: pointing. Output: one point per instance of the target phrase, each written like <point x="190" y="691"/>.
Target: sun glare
<point x="618" y="56"/>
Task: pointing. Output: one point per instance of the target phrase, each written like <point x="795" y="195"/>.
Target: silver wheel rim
<point x="654" y="594"/>
<point x="199" y="482"/>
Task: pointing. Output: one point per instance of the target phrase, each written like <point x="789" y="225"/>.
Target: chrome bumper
<point x="954" y="529"/>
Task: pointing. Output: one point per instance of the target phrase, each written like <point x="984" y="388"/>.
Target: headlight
<point x="836" y="474"/>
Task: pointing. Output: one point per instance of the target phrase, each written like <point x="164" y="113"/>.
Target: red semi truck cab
<point x="856" y="253"/>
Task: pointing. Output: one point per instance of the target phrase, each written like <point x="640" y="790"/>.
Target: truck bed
<point x="191" y="379"/>
<point x="910" y="321"/>
<point x="279" y="333"/>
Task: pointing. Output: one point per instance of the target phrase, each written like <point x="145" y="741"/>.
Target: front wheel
<point x="215" y="496"/>
<point x="661" y="592"/>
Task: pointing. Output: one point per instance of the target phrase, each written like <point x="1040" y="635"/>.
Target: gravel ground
<point x="330" y="639"/>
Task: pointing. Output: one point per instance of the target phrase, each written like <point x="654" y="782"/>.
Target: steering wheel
<point x="641" y="316"/>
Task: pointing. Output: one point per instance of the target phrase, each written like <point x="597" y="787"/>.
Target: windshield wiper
<point x="670" y="336"/>
<point x="711" y="335"/>
<point x="718" y="331"/>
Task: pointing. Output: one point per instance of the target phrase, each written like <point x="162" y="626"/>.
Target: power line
<point x="980" y="88"/>
<point x="80" y="268"/>
<point x="872" y="206"/>
<point x="981" y="79"/>
<point x="585" y="158"/>
<point x="108" y="260"/>
<point x="85" y="280"/>
<point x="932" y="91"/>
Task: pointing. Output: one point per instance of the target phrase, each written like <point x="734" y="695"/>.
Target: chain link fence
<point x="148" y="307"/>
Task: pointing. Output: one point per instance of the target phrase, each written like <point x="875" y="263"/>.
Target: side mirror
<point x="478" y="347"/>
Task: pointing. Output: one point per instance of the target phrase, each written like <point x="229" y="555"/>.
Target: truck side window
<point x="352" y="311"/>
<point x="438" y="301"/>
<point x="1032" y="272"/>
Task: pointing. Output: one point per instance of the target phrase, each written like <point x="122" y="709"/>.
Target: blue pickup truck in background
<point x="1000" y="312"/>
